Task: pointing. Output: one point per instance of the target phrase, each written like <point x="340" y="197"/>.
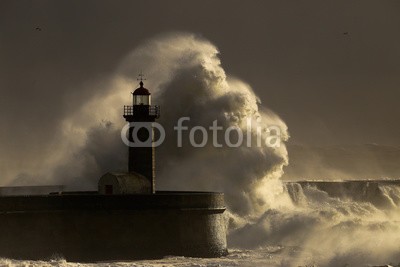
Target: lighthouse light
<point x="141" y="99"/>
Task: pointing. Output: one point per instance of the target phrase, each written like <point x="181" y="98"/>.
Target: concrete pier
<point x="89" y="227"/>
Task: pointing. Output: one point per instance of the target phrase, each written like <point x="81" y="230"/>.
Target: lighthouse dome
<point x="141" y="90"/>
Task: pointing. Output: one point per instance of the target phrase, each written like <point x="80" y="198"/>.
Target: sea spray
<point x="186" y="79"/>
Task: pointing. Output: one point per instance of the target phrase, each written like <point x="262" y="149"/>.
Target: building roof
<point x="125" y="183"/>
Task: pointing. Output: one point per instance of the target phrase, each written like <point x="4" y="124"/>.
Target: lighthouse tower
<point x="141" y="115"/>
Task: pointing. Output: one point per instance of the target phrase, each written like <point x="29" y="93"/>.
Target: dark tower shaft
<point x="141" y="115"/>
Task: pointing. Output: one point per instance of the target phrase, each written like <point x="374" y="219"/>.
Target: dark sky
<point x="330" y="69"/>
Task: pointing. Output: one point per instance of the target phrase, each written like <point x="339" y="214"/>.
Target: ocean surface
<point x="269" y="256"/>
<point x="262" y="257"/>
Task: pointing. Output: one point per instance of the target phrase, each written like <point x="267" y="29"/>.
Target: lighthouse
<point x="140" y="178"/>
<point x="141" y="115"/>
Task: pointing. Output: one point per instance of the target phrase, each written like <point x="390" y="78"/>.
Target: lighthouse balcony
<point x="153" y="111"/>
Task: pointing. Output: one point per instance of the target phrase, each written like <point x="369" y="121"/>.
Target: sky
<point x="329" y="69"/>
